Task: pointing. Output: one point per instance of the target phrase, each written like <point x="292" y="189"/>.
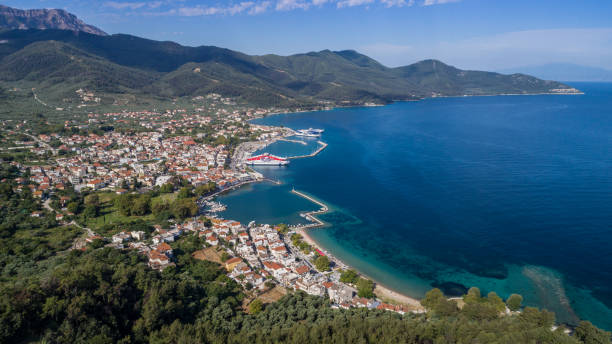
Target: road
<point x="42" y="143"/>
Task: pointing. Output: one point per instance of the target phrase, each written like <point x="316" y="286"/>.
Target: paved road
<point x="42" y="143"/>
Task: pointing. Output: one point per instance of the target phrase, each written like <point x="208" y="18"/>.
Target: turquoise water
<point x="510" y="194"/>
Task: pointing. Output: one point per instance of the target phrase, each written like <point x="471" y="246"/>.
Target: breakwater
<point x="322" y="146"/>
<point x="311" y="215"/>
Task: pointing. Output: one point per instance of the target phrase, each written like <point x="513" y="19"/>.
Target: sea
<point x="511" y="194"/>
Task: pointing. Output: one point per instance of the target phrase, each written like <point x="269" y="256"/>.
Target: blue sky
<point x="475" y="34"/>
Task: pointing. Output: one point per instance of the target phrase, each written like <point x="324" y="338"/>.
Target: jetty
<point x="294" y="141"/>
<point x="322" y="146"/>
<point x="311" y="215"/>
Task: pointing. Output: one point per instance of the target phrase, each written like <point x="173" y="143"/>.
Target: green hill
<point x="68" y="60"/>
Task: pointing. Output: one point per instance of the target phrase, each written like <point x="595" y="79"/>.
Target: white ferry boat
<point x="267" y="159"/>
<point x="310" y="132"/>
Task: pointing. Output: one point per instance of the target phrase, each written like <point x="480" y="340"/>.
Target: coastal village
<point x="199" y="149"/>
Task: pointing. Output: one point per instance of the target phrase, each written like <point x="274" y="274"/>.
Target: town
<point x="197" y="150"/>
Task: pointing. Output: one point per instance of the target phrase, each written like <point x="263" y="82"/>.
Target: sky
<point x="470" y="34"/>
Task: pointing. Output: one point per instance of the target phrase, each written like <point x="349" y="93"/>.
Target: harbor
<point x="322" y="146"/>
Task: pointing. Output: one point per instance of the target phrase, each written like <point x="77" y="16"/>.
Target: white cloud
<point x="438" y="2"/>
<point x="260" y="7"/>
<point x="397" y="3"/>
<point x="287" y="5"/>
<point x="251" y="7"/>
<point x="245" y="6"/>
<point x="352" y="3"/>
<point x="132" y="5"/>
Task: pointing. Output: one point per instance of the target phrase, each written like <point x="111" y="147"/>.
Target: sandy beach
<point x="380" y="290"/>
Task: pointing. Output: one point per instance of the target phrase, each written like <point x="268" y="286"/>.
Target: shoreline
<point x="381" y="291"/>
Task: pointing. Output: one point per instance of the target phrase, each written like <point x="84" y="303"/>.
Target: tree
<point x="322" y="263"/>
<point x="283" y="228"/>
<point x="224" y="256"/>
<point x="124" y="204"/>
<point x="256" y="306"/>
<point x="349" y="276"/>
<point x="446" y="308"/>
<point x="185" y="192"/>
<point x="514" y="302"/>
<point x="142" y="205"/>
<point x="167" y="188"/>
<point x="205" y="189"/>
<point x="365" y="288"/>
<point x="90" y="211"/>
<point x="184" y="208"/>
<point x="496" y="301"/>
<point x="92" y="199"/>
<point x="534" y="317"/>
<point x="73" y="207"/>
<point x="432" y="298"/>
<point x="472" y="296"/>
<point x="480" y="311"/>
<point x="589" y="334"/>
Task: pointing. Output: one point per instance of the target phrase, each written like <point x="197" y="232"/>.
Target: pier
<point x="294" y="141"/>
<point x="311" y="214"/>
<point x="322" y="147"/>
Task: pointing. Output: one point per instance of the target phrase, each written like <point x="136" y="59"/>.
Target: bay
<point x="512" y="194"/>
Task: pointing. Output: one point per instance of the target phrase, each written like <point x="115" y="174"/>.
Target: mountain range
<point x="62" y="61"/>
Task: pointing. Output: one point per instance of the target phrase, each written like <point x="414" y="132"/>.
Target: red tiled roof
<point x="302" y="269"/>
<point x="273" y="265"/>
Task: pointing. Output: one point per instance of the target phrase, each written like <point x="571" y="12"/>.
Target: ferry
<point x="267" y="159"/>
<point x="310" y="132"/>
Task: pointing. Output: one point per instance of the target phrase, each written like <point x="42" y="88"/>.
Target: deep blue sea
<point x="512" y="194"/>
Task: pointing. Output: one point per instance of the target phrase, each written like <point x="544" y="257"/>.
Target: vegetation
<point x="514" y="302"/>
<point x="349" y="276"/>
<point x="256" y="306"/>
<point x="123" y="64"/>
<point x="322" y="263"/>
<point x="104" y="295"/>
<point x="296" y="240"/>
<point x="365" y="288"/>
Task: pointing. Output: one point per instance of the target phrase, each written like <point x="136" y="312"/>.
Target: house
<point x="165" y="249"/>
<point x="121" y="237"/>
<point x="279" y="251"/>
<point x="158" y="260"/>
<point x="231" y="263"/>
<point x="212" y="240"/>
<point x="302" y="269"/>
<point x="96" y="184"/>
<point x="339" y="293"/>
<point x="138" y="235"/>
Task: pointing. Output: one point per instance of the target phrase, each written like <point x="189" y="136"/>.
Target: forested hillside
<point x="68" y="60"/>
<point x="52" y="294"/>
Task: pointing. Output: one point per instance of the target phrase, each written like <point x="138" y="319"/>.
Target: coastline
<point x="381" y="291"/>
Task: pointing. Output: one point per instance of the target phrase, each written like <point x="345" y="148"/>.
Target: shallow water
<point x="510" y="193"/>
